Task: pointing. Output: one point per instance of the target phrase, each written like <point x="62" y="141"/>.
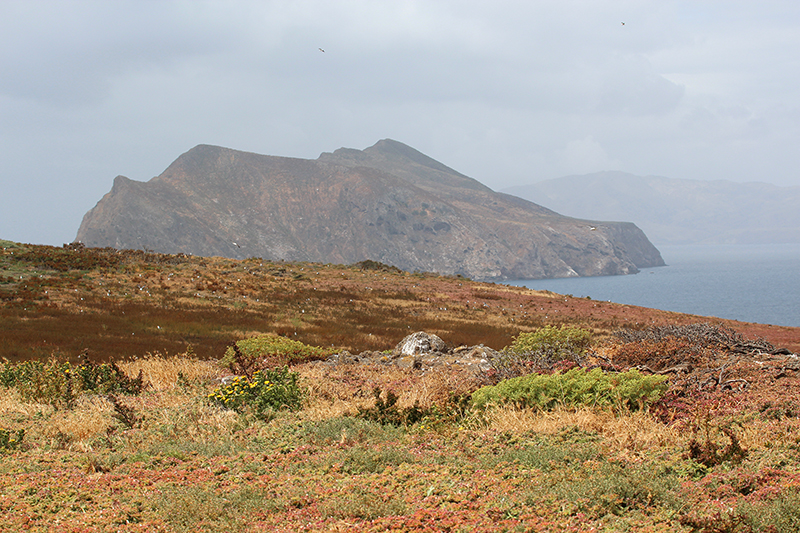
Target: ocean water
<point x="753" y="283"/>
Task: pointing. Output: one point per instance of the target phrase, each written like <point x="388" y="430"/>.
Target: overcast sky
<point x="508" y="93"/>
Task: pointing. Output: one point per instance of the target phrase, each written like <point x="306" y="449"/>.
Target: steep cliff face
<point x="389" y="203"/>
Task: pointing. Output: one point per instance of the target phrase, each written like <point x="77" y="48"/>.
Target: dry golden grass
<point x="78" y="428"/>
<point x="763" y="435"/>
<point x="164" y="411"/>
<point x="440" y="384"/>
<point x="633" y="431"/>
<point x="177" y="416"/>
<point x="342" y="390"/>
<point x="349" y="382"/>
<point x="162" y="372"/>
<point x="175" y="410"/>
<point x="335" y="391"/>
<point x="271" y="470"/>
<point x="351" y="386"/>
<point x="319" y="409"/>
<point x="12" y="406"/>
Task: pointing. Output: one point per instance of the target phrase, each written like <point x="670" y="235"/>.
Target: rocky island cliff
<point x="388" y="203"/>
<point x="677" y="211"/>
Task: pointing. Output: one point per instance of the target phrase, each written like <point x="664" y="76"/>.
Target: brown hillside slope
<point x="117" y="304"/>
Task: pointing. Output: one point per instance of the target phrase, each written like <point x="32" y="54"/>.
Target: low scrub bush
<point x="698" y="335"/>
<point x="714" y="417"/>
<point x="660" y="354"/>
<point x="780" y="514"/>
<point x="577" y="387"/>
<point x="69" y="257"/>
<point x="543" y="453"/>
<point x="249" y="355"/>
<point x="387" y="412"/>
<point x="707" y="452"/>
<point x="56" y="382"/>
<point x="123" y="413"/>
<point x="10" y="439"/>
<point x="551" y="340"/>
<point x="369" y="264"/>
<point x="456" y="410"/>
<point x="265" y="392"/>
<point x="550" y="345"/>
<point x="546" y="349"/>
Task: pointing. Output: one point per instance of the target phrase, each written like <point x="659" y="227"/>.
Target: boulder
<point x="423" y="351"/>
<point x="419" y="343"/>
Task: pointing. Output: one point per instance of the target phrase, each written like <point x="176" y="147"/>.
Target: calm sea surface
<point x="753" y="283"/>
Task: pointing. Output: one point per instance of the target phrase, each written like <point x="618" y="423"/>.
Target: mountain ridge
<point x="389" y="203"/>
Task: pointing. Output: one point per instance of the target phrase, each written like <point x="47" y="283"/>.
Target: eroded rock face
<point x="387" y="203"/>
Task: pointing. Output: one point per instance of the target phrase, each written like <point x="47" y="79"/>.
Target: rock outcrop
<point x="388" y="203"/>
<point x="423" y="351"/>
<point x="419" y="343"/>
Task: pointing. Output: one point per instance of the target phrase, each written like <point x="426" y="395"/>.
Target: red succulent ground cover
<point x="188" y="465"/>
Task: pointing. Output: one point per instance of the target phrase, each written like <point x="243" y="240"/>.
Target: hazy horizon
<point x="507" y="93"/>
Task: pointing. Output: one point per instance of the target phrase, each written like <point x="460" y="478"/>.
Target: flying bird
<point x="622" y="24"/>
<point x="323" y="51"/>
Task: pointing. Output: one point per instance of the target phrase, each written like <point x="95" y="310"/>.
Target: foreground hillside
<point x="118" y="304"/>
<point x="703" y="437"/>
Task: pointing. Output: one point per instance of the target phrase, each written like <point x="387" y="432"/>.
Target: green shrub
<point x="249" y="355"/>
<point x="576" y="387"/>
<point x="547" y="348"/>
<point x="105" y="378"/>
<point x="55" y="381"/>
<point x="265" y="392"/>
<point x="551" y="344"/>
<point x="10" y="439"/>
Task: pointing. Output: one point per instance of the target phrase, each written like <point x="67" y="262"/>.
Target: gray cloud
<point x="507" y="92"/>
